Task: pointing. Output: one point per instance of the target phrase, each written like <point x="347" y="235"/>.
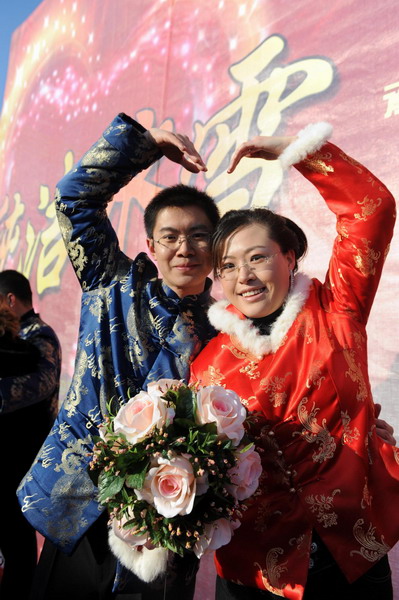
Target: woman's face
<point x="257" y="288"/>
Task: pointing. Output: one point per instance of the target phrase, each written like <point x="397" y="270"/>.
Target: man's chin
<point x="187" y="284"/>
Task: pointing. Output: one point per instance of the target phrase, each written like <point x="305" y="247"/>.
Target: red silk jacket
<point x="307" y="383"/>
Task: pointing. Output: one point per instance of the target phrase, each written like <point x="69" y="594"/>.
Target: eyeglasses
<point x="198" y="239"/>
<point x="259" y="262"/>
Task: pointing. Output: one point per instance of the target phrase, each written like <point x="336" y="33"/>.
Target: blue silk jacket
<point x="133" y="330"/>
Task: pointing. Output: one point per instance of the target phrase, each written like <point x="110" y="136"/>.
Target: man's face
<point x="185" y="268"/>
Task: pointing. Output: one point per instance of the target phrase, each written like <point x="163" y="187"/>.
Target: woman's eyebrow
<point x="247" y="250"/>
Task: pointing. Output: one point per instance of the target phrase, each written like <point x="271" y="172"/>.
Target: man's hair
<point x="179" y="195"/>
<point x="15" y="283"/>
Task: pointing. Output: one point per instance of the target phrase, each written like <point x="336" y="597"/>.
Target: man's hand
<point x="383" y="429"/>
<point x="178" y="148"/>
<point x="266" y="147"/>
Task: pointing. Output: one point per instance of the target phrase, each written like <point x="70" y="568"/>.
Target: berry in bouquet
<point x="173" y="468"/>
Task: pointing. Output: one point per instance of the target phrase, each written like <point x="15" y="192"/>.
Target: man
<point x="134" y="329"/>
<point x="28" y="405"/>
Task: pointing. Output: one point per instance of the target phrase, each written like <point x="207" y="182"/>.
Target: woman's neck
<point x="264" y="324"/>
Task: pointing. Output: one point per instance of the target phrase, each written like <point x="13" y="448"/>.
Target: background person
<point x="29" y="379"/>
<point x="295" y="350"/>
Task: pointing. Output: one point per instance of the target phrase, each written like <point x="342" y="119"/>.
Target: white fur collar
<point x="310" y="139"/>
<point x="248" y="335"/>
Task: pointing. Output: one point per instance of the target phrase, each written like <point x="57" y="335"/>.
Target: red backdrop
<point x="220" y="71"/>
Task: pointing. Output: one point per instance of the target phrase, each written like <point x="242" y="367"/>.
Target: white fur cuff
<point x="309" y="140"/>
<point x="146" y="564"/>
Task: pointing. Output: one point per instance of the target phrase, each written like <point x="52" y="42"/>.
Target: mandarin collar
<point x="28" y="315"/>
<point x="202" y="299"/>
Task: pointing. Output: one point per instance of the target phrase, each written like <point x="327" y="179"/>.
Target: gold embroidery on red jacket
<point x="367" y="497"/>
<point x="315" y="433"/>
<point x="371" y="549"/>
<point x="302" y="542"/>
<point x="235" y="351"/>
<point x="322" y="506"/>
<point x="275" y="387"/>
<point x="316" y="163"/>
<point x="366" y="258"/>
<point x="315" y="377"/>
<point x="246" y="402"/>
<point x="360" y="339"/>
<point x="342" y="230"/>
<point x="349" y="435"/>
<point x="302" y="328"/>
<point x="369" y="206"/>
<point x="273" y="571"/>
<point x="215" y="376"/>
<point x="355" y="373"/>
<point x="251" y="369"/>
<point x="352" y="162"/>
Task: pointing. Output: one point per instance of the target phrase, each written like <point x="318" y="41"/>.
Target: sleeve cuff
<point x="309" y="140"/>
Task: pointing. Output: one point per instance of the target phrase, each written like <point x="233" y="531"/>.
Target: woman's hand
<point x="266" y="147"/>
<point x="383" y="429"/>
<point x="178" y="148"/>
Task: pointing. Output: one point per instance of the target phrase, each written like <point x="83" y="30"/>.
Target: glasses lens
<point x="259" y="264"/>
<point x="199" y="239"/>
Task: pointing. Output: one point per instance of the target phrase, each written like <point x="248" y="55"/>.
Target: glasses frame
<point x="253" y="268"/>
<point x="187" y="238"/>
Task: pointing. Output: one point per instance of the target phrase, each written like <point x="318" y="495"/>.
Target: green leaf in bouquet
<point x="109" y="485"/>
<point x="186" y="404"/>
<point x="183" y="423"/>
<point x="176" y="548"/>
<point x="247" y="447"/>
<point x="96" y="439"/>
<point x="94" y="475"/>
<point x="210" y="428"/>
<point x="136" y="480"/>
<point x="227" y="445"/>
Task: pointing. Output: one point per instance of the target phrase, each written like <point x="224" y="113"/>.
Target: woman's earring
<point x="292" y="278"/>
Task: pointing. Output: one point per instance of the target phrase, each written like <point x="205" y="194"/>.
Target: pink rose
<point x="141" y="414"/>
<point x="170" y="487"/>
<point x="216" y="535"/>
<point x="130" y="536"/>
<point x="244" y="476"/>
<point x="215" y="404"/>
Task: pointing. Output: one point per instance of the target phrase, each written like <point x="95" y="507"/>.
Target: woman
<point x="325" y="514"/>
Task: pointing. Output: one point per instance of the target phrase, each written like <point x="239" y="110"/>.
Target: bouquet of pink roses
<point x="173" y="468"/>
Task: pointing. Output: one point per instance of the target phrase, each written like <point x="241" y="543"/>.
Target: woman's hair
<point x="9" y="323"/>
<point x="281" y="230"/>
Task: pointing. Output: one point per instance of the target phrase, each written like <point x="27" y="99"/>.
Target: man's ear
<point x="11" y="299"/>
<point x="151" y="248"/>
